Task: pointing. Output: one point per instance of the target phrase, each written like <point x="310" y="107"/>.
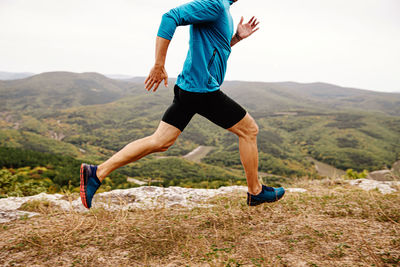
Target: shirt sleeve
<point x="198" y="11"/>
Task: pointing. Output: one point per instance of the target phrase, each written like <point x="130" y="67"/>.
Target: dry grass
<point x="331" y="225"/>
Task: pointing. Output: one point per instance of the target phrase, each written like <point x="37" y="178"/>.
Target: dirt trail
<point x="326" y="169"/>
<point x="198" y="153"/>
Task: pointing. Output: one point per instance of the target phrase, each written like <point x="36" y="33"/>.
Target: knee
<point x="161" y="145"/>
<point x="249" y="131"/>
<point x="252" y="130"/>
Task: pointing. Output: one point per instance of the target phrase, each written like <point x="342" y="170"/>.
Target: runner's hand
<point x="156" y="76"/>
<point x="245" y="30"/>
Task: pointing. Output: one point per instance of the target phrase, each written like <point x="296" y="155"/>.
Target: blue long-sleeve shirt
<point x="211" y="31"/>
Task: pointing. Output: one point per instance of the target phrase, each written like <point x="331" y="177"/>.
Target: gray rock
<point x="385" y="187"/>
<point x="382" y="175"/>
<point x="144" y="197"/>
<point x="396" y="167"/>
<point x="6" y="216"/>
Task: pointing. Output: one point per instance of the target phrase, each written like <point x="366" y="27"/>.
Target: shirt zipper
<point x="210" y="63"/>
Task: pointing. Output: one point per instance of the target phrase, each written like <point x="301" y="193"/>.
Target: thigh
<point x="222" y="110"/>
<point x="178" y="114"/>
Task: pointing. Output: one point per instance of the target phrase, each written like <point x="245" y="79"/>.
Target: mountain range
<point x="4" y="75"/>
<point x="88" y="115"/>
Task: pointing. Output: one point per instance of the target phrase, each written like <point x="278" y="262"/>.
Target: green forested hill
<point x="89" y="116"/>
<point x="326" y="97"/>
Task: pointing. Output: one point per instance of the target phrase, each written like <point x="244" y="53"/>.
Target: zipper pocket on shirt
<point x="210" y="63"/>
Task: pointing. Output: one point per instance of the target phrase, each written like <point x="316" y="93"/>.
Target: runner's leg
<point x="247" y="130"/>
<point x="225" y="112"/>
<point x="161" y="140"/>
<point x="171" y="126"/>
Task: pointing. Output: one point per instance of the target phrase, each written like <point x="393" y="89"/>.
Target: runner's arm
<point x="158" y="72"/>
<point x="191" y="13"/>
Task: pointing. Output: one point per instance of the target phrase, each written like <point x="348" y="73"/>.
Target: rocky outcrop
<point x="386" y="175"/>
<point x="396" y="167"/>
<point x="382" y="175"/>
<point x="385" y="187"/>
<point x="144" y="197"/>
<point x="149" y="197"/>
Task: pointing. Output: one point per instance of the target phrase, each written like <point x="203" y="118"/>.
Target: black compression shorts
<point x="215" y="106"/>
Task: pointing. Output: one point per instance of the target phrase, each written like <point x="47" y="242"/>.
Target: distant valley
<point x="88" y="116"/>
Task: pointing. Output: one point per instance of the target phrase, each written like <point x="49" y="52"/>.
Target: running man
<point x="197" y="90"/>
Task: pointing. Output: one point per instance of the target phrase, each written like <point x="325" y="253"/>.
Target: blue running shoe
<point x="268" y="194"/>
<point x="89" y="184"/>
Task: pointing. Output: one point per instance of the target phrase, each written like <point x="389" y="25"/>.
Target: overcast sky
<point x="353" y="43"/>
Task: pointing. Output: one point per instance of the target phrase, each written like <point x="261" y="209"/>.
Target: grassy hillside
<point x="261" y="97"/>
<point x="332" y="224"/>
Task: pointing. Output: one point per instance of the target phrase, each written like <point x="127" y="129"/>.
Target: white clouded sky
<point x="352" y="43"/>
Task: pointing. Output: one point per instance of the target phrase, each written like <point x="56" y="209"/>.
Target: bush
<point x="21" y="183"/>
<point x="351" y="174"/>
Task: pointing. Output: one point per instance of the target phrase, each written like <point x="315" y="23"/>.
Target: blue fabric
<point x="211" y="31"/>
<point x="93" y="183"/>
<point x="268" y="194"/>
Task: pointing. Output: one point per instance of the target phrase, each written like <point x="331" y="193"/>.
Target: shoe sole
<point x="272" y="201"/>
<point x="83" y="186"/>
